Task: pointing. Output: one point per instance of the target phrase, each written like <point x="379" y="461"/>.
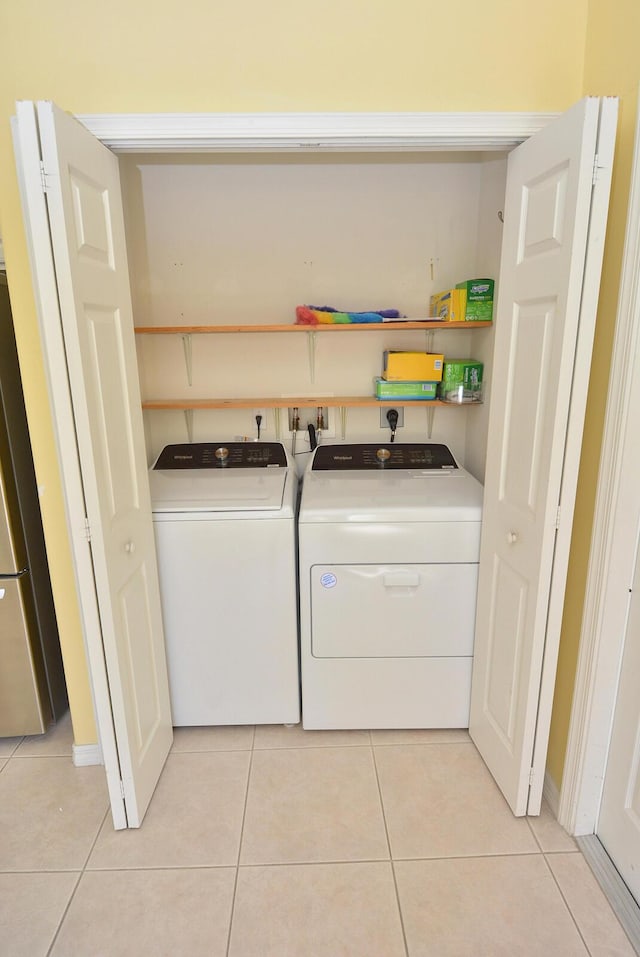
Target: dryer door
<point x="393" y="611"/>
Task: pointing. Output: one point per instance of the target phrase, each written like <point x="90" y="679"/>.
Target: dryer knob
<point x="222" y="454"/>
<point x="383" y="455"/>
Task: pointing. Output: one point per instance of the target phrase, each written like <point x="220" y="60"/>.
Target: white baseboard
<point x="87" y="754"/>
<point x="551" y="794"/>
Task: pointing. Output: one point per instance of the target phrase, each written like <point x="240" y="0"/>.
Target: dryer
<point x="389" y="543"/>
<point x="224" y="523"/>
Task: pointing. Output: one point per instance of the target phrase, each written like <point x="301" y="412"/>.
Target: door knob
<point x="130" y="548"/>
<point x="512" y="538"/>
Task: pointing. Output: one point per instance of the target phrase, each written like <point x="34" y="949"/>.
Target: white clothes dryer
<point x="389" y="543"/>
<point x="224" y="522"/>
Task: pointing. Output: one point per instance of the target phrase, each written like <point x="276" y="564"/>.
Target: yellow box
<point x="450" y="305"/>
<point x="412" y="366"/>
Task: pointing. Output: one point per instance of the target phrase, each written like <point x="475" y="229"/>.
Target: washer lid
<point x="205" y="490"/>
<point x="408" y="495"/>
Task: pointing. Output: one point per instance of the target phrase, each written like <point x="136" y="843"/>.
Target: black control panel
<point x="219" y="455"/>
<point x="392" y="456"/>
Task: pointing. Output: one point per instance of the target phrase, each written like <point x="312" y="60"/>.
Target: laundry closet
<point x="241" y="240"/>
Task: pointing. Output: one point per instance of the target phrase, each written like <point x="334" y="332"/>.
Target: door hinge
<point x="596" y="168"/>
<point x="44" y="177"/>
<point x="532" y="776"/>
<point x="122" y="789"/>
<point x="87" y="529"/>
<point x="557" y="522"/>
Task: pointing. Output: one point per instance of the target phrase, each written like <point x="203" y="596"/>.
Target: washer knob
<point x="383" y="455"/>
<point x="222" y="454"/>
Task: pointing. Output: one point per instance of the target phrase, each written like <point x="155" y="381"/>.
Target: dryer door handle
<point x="401" y="580"/>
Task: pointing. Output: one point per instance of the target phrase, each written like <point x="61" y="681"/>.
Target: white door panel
<point x="87" y="234"/>
<point x="619" y="820"/>
<point x="540" y="315"/>
<point x="28" y="162"/>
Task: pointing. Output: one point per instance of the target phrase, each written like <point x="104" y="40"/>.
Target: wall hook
<point x="501" y="216"/>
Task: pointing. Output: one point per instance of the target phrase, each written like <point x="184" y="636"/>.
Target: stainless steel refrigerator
<point x="32" y="687"/>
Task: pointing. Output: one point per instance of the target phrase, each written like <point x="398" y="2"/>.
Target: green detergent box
<point x="479" y="299"/>
<point x="461" y="380"/>
<point x="419" y="390"/>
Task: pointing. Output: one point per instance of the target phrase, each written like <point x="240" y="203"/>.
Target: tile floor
<point x="275" y="842"/>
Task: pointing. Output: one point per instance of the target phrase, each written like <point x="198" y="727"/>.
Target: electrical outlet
<point x="384" y="422"/>
<point x="263" y="423"/>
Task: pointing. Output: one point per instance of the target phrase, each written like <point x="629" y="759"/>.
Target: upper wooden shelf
<point x="301" y="402"/>
<point x="321" y="327"/>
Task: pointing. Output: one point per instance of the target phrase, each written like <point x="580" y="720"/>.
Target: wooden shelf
<point x="290" y="402"/>
<point x="321" y="327"/>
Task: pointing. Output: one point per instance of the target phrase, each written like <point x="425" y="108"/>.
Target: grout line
<point x="235" y="881"/>
<point x="64" y="914"/>
<point x="77" y="884"/>
<point x="393" y="869"/>
<point x="535" y="836"/>
<point x="566" y="904"/>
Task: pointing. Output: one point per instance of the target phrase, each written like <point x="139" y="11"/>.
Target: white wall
<point x="229" y="239"/>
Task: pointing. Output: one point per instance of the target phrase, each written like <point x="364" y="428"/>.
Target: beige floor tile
<point x="316" y="910"/>
<point x="550" y="836"/>
<point x="313" y="804"/>
<point x="3" y="761"/>
<point x="598" y="924"/>
<point x="161" y="913"/>
<point x="440" y="801"/>
<point x="57" y="741"/>
<point x="485" y="907"/>
<point x="280" y="736"/>
<point x="229" y="738"/>
<point x="194" y="818"/>
<point x="50" y="813"/>
<point x="8" y="746"/>
<point x="31" y="908"/>
<point x="420" y="736"/>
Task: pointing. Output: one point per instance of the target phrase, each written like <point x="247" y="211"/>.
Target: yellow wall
<point x="339" y="55"/>
<point x="612" y="66"/>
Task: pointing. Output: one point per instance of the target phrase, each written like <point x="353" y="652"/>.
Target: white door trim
<point x="612" y="554"/>
<point x="315" y="132"/>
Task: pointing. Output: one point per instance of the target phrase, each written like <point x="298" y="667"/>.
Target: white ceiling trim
<point x="315" y="132"/>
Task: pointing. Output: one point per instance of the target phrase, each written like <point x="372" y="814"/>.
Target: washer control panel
<point x="219" y="455"/>
<point x="371" y="456"/>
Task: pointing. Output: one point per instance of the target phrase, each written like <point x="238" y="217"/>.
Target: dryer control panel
<point x="230" y="455"/>
<point x="361" y="457"/>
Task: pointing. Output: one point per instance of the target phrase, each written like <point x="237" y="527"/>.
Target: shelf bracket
<point x="188" y="420"/>
<point x="276" y="419"/>
<point x="188" y="355"/>
<point x="311" y="347"/>
<point x="343" y="421"/>
<point x="429" y="335"/>
<point x="430" y="417"/>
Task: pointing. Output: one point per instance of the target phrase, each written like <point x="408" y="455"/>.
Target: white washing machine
<point x="389" y="542"/>
<point x="224" y="522"/>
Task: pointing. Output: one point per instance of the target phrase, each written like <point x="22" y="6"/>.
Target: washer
<point x="389" y="542"/>
<point x="224" y="522"/>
